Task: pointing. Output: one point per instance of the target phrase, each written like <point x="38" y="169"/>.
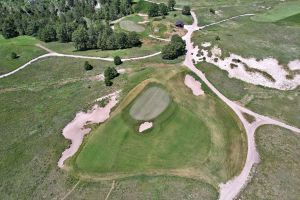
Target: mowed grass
<point x="278" y="174"/>
<point x="195" y="137"/>
<point x="23" y="46"/>
<point x="131" y="26"/>
<point x="152" y="102"/>
<point x="290" y="21"/>
<point x="280" y="11"/>
<point x="282" y="105"/>
<point x="149" y="46"/>
<point x="35" y="104"/>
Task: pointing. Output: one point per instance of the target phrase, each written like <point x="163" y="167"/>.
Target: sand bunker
<point x="294" y="65"/>
<point x="266" y="72"/>
<point x="145" y="126"/>
<point x="194" y="85"/>
<point x="76" y="130"/>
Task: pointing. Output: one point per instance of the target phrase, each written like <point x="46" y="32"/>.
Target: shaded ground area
<point x="278" y="174"/>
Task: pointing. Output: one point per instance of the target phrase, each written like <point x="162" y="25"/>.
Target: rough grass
<point x="25" y="48"/>
<point x="268" y="39"/>
<point x="128" y="25"/>
<point x="116" y="149"/>
<point x="146" y="187"/>
<point x="150" y="104"/>
<point x="283" y="105"/>
<point x="35" y="104"/>
<point x="278" y="174"/>
<point x="279" y="12"/>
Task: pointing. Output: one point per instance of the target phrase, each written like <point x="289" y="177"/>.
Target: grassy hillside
<point x="278" y="174"/>
<point x="204" y="150"/>
<point x="23" y="46"/>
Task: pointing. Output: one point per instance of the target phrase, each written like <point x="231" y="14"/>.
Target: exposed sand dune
<point x="194" y="85"/>
<point x="266" y="72"/>
<point x="76" y="130"/>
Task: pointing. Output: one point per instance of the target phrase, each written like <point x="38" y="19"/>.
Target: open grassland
<point x="145" y="187"/>
<point x="247" y="38"/>
<point x="131" y="26"/>
<point x="283" y="105"/>
<point x="23" y="46"/>
<point x="149" y="46"/>
<point x="35" y="104"/>
<point x="279" y="12"/>
<point x="278" y="174"/>
<point x="195" y="137"/>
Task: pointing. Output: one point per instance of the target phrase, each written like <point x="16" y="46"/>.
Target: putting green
<point x="150" y="104"/>
<point x="131" y="26"/>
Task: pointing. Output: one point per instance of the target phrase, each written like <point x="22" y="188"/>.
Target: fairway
<point x="131" y="26"/>
<point x="279" y="12"/>
<point x="150" y="104"/>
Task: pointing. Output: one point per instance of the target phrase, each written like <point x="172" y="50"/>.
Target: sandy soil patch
<point x="266" y="72"/>
<point x="206" y="44"/>
<point x="76" y="130"/>
<point x="145" y="126"/>
<point x="294" y="65"/>
<point x="194" y="85"/>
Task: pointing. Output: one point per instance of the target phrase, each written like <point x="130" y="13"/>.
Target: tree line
<point x="66" y="20"/>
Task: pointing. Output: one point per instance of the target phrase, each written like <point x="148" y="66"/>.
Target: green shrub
<point x="13" y="55"/>
<point x="87" y="66"/>
<point x="117" y="60"/>
<point x="186" y="10"/>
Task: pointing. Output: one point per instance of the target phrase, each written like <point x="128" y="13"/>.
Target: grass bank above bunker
<point x="194" y="137"/>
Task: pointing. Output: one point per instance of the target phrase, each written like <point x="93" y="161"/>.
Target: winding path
<point x="54" y="54"/>
<point x="231" y="189"/>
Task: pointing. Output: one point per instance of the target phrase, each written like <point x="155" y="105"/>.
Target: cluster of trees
<point x="161" y="9"/>
<point x="63" y="20"/>
<point x="103" y="37"/>
<point x="174" y="49"/>
<point x="109" y="74"/>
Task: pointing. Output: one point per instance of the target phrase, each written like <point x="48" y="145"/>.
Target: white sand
<point x="194" y="85"/>
<point x="206" y="44"/>
<point x="294" y="65"/>
<point x="145" y="126"/>
<point x="75" y="130"/>
<point x="268" y="65"/>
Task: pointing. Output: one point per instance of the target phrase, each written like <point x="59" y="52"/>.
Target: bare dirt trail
<point x="54" y="54"/>
<point x="230" y="189"/>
